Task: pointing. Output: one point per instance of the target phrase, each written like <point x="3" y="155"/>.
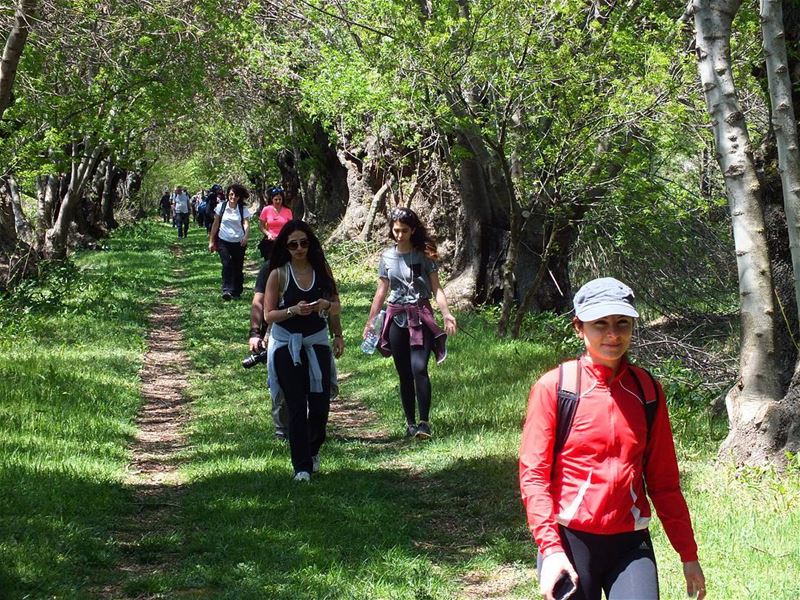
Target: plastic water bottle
<point x="371" y="341"/>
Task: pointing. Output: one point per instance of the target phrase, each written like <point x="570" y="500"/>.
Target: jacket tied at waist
<point x="281" y="337"/>
<point x="418" y="316"/>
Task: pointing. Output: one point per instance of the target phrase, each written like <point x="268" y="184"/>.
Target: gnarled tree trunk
<point x="83" y="166"/>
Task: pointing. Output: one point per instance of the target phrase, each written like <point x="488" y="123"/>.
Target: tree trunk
<point x="83" y="167"/>
<point x="483" y="235"/>
<point x="784" y="126"/>
<point x="21" y="223"/>
<point x="291" y="183"/>
<point x="331" y="190"/>
<point x="752" y="401"/>
<point x="377" y="202"/>
<point x="109" y="195"/>
<point x="362" y="173"/>
<point x="47" y="187"/>
<point x="8" y="232"/>
<point x="15" y="44"/>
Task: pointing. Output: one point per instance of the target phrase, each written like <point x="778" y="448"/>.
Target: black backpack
<point x="211" y="205"/>
<point x="569" y="395"/>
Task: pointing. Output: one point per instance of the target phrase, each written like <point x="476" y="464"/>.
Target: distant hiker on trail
<point x="597" y="442"/>
<point x="214" y="197"/>
<point x="272" y="218"/>
<point x="408" y="274"/>
<point x="229" y="238"/>
<point x="300" y="294"/>
<point x="165" y="206"/>
<point x="180" y="203"/>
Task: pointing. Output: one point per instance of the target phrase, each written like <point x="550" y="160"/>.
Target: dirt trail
<point x="153" y="474"/>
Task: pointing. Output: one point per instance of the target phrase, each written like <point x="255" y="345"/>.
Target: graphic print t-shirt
<point x="408" y="275"/>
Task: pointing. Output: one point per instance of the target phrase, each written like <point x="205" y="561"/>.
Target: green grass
<point x="70" y="350"/>
<point x="387" y="518"/>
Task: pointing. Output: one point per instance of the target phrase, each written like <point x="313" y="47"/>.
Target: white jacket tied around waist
<point x="280" y="337"/>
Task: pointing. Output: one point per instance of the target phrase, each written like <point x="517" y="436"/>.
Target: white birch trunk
<point x="783" y="122"/>
<point x="21" y="223"/>
<point x="759" y="387"/>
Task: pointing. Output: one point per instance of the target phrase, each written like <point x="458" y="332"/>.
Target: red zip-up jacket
<point x="598" y="483"/>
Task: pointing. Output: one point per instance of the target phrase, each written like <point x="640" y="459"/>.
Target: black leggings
<point x="412" y="367"/>
<point x="232" y="256"/>
<point x="308" y="412"/>
<point x="622" y="565"/>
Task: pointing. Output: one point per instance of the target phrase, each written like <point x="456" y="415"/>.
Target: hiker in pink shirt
<point x="272" y="219"/>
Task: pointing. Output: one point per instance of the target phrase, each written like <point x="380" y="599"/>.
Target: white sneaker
<point x="302" y="476"/>
<point x="315" y="463"/>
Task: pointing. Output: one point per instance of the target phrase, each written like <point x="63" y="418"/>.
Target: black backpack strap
<point x="567" y="399"/>
<point x="241" y="214"/>
<point x="649" y="400"/>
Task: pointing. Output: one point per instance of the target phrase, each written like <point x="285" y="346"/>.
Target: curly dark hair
<point x="281" y="255"/>
<point x="241" y="192"/>
<point x="420" y="239"/>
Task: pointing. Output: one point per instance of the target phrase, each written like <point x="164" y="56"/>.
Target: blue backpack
<point x="201" y="213"/>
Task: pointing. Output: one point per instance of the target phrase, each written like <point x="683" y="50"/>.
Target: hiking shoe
<point x="423" y="431"/>
<point x="226" y="296"/>
<point x="302" y="476"/>
<point x="411" y="430"/>
<point x="315" y="463"/>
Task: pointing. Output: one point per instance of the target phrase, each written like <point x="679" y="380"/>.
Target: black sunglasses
<point x="295" y="244"/>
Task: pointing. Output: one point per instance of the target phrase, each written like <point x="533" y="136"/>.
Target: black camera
<point x="254" y="359"/>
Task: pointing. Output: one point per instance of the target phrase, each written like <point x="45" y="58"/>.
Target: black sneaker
<point x="226" y="296"/>
<point x="411" y="430"/>
<point x="423" y="431"/>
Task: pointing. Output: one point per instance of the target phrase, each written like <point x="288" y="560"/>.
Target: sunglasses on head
<point x="295" y="244"/>
<point x="399" y="213"/>
<point x="275" y="191"/>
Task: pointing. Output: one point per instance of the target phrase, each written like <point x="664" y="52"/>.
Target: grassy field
<point x="387" y="518"/>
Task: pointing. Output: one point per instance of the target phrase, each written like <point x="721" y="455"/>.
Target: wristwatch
<point x="289" y="312"/>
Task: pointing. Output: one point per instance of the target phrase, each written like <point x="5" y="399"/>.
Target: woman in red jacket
<point x="597" y="443"/>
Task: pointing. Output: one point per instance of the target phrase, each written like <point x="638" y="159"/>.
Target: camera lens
<point x="254" y="359"/>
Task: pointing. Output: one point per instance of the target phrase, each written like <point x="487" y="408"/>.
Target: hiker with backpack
<point x="215" y="196"/>
<point x="229" y="237"/>
<point x="597" y="443"/>
<point x="300" y="294"/>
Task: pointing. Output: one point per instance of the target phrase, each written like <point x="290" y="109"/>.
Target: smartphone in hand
<point x="564" y="587"/>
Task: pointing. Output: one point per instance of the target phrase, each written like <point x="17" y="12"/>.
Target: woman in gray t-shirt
<point x="407" y="273"/>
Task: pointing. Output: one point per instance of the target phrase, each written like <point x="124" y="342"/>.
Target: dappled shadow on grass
<point x="54" y="529"/>
<point x="473" y="507"/>
<point x="252" y="532"/>
<point x="256" y="533"/>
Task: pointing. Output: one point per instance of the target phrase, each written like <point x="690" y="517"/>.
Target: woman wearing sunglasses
<point x="299" y="295"/>
<point x="408" y="274"/>
<point x="272" y="219"/>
